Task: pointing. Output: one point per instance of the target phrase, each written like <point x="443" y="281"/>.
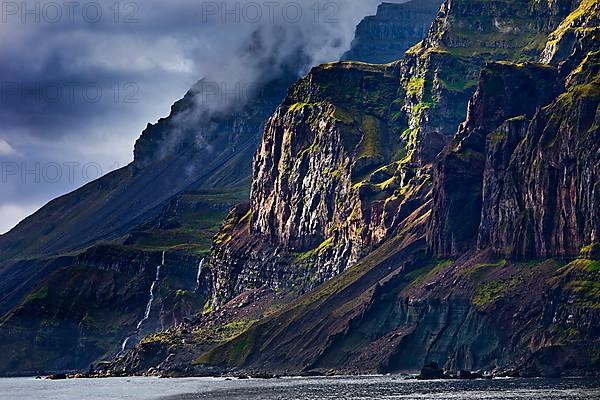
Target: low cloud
<point x="80" y="89"/>
<point x="6" y="149"/>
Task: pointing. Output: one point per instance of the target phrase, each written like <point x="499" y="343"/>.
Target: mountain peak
<point x="385" y="37"/>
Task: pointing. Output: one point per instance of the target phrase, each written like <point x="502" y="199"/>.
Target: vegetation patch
<point x="298" y="106"/>
<point x="587" y="293"/>
<point x="479" y="271"/>
<point x="586" y="265"/>
<point x="592" y="251"/>
<point x="415" y="86"/>
<point x="247" y="218"/>
<point x="371" y="142"/>
<point x="301" y="257"/>
<point x="239" y="348"/>
<point x="39" y="295"/>
<point x="569" y="23"/>
<point x="421" y="275"/>
<point x="490" y="293"/>
<point x="343" y="116"/>
<point x="497" y="136"/>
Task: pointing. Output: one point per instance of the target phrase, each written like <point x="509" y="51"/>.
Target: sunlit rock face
<point x="521" y="174"/>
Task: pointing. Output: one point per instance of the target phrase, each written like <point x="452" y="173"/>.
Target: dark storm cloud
<point x="142" y="56"/>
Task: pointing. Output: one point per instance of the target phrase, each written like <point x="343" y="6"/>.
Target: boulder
<point x="432" y="371"/>
<point x="56" y="377"/>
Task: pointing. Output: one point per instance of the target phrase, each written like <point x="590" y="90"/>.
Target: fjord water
<point x="355" y="388"/>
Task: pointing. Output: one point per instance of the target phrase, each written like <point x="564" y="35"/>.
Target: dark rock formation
<point x="57" y="377"/>
<point x="395" y="28"/>
<point x="431" y="371"/>
<point x="546" y="203"/>
<point x="520" y="174"/>
<point x="505" y="93"/>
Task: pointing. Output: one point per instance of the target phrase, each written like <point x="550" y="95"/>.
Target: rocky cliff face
<point x="518" y="181"/>
<point x="350" y="143"/>
<point x="552" y="212"/>
<point x="384" y="37"/>
<point x="525" y="159"/>
<point x="307" y="192"/>
<point x="460" y="171"/>
<point x="331" y="182"/>
<point x="440" y="74"/>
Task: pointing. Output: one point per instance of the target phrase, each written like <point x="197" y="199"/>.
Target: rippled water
<point x="298" y="389"/>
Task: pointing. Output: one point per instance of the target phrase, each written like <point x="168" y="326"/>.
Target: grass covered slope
<point x="528" y="319"/>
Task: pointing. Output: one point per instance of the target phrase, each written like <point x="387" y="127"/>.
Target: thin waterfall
<point x="200" y="265"/>
<point x="151" y="298"/>
<point x="148" y="305"/>
<point x="124" y="345"/>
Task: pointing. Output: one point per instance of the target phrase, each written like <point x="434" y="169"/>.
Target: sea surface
<point x="350" y="388"/>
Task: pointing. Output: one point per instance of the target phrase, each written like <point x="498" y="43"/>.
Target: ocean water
<point x="350" y="388"/>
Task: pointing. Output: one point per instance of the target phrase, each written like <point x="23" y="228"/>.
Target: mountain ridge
<point x="438" y="208"/>
<point x="185" y="178"/>
<point x="447" y="285"/>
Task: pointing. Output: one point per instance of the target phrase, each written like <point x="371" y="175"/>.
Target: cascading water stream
<point x="200" y="265"/>
<point x="148" y="305"/>
<point x="124" y="345"/>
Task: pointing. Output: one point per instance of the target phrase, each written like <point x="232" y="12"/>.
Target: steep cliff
<point x="352" y="141"/>
<point x="459" y="173"/>
<point x="518" y="180"/>
<point x="331" y="181"/>
<point x="525" y="160"/>
<point x="384" y="37"/>
<point x="440" y="74"/>
<point x="553" y="211"/>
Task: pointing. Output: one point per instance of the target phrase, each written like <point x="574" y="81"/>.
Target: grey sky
<point x="80" y="80"/>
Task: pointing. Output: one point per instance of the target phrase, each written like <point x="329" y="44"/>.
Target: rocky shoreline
<point x="431" y="371"/>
